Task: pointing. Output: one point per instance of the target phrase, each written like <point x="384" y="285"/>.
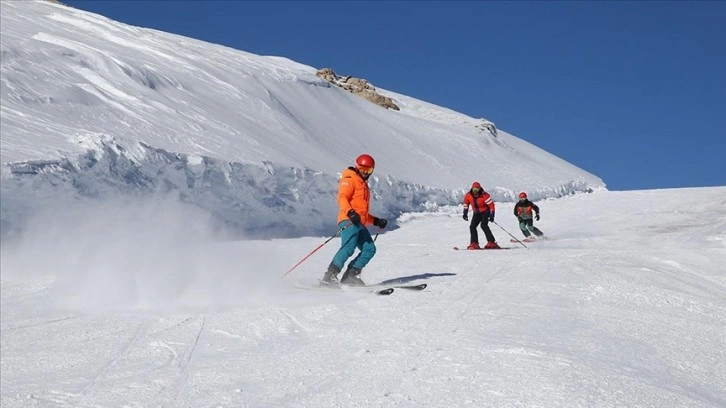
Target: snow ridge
<point x="245" y="199"/>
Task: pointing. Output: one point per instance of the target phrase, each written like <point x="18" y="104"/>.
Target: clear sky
<point x="633" y="92"/>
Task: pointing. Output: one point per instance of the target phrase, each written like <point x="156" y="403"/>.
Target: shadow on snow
<point x="406" y="279"/>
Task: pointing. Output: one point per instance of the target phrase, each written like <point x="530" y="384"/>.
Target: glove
<point x="466" y="215"/>
<point x="491" y="216"/>
<point x="353" y="217"/>
<point x="536" y="217"/>
<point x="380" y="222"/>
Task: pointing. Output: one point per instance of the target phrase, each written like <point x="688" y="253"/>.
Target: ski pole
<point x="515" y="238"/>
<point x="377" y="232"/>
<point x="315" y="250"/>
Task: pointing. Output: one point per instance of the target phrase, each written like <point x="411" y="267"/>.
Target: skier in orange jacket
<point x="483" y="207"/>
<point x="354" y="200"/>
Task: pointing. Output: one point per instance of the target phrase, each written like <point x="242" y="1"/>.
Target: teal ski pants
<point x="354" y="236"/>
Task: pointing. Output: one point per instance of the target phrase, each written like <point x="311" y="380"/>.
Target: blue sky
<point x="633" y="92"/>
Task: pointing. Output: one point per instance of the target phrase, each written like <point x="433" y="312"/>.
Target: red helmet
<point x="365" y="160"/>
<point x="476" y="185"/>
<point x="522" y="195"/>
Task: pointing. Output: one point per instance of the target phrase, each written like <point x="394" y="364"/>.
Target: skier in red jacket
<point x="483" y="207"/>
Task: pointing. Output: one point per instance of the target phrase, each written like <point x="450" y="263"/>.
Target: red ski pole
<point x="316" y="249"/>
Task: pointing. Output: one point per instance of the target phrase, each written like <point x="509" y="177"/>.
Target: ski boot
<point x="331" y="276"/>
<point x="351" y="277"/>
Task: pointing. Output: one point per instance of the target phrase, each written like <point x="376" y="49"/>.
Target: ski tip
<point x="384" y="292"/>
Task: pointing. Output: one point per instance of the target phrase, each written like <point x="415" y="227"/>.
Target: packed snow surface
<point x="624" y="305"/>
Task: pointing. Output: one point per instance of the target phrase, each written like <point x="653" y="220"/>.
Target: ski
<point x="530" y="240"/>
<point x="480" y="249"/>
<point x="322" y="288"/>
<point x="380" y="289"/>
<point x="420" y="286"/>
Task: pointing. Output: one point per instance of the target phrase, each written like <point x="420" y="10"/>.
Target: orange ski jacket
<point x="353" y="193"/>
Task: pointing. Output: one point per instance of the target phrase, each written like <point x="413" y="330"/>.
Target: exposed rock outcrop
<point x="488" y="126"/>
<point x="357" y="86"/>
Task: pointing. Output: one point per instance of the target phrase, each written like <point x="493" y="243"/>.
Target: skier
<point x="354" y="200"/>
<point x="523" y="211"/>
<point x="483" y="205"/>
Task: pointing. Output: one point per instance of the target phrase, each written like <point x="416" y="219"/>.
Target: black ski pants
<point x="527" y="226"/>
<point x="483" y="219"/>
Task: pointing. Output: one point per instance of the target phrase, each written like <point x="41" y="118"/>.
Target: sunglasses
<point x="365" y="170"/>
<point x="475" y="190"/>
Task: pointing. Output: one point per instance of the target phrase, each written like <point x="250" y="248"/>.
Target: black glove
<point x="466" y="215"/>
<point x="353" y="217"/>
<point x="491" y="216"/>
<point x="380" y="222"/>
<point x="536" y="217"/>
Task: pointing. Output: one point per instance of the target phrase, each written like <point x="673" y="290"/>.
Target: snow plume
<point x="152" y="253"/>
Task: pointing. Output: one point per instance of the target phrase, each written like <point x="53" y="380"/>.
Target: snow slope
<point x="621" y="307"/>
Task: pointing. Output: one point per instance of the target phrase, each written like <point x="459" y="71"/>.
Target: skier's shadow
<point x="406" y="279"/>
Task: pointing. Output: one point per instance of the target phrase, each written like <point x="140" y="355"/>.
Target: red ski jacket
<point x="480" y="204"/>
<point x="523" y="209"/>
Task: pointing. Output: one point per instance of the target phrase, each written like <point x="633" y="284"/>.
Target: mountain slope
<point x="92" y="107"/>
